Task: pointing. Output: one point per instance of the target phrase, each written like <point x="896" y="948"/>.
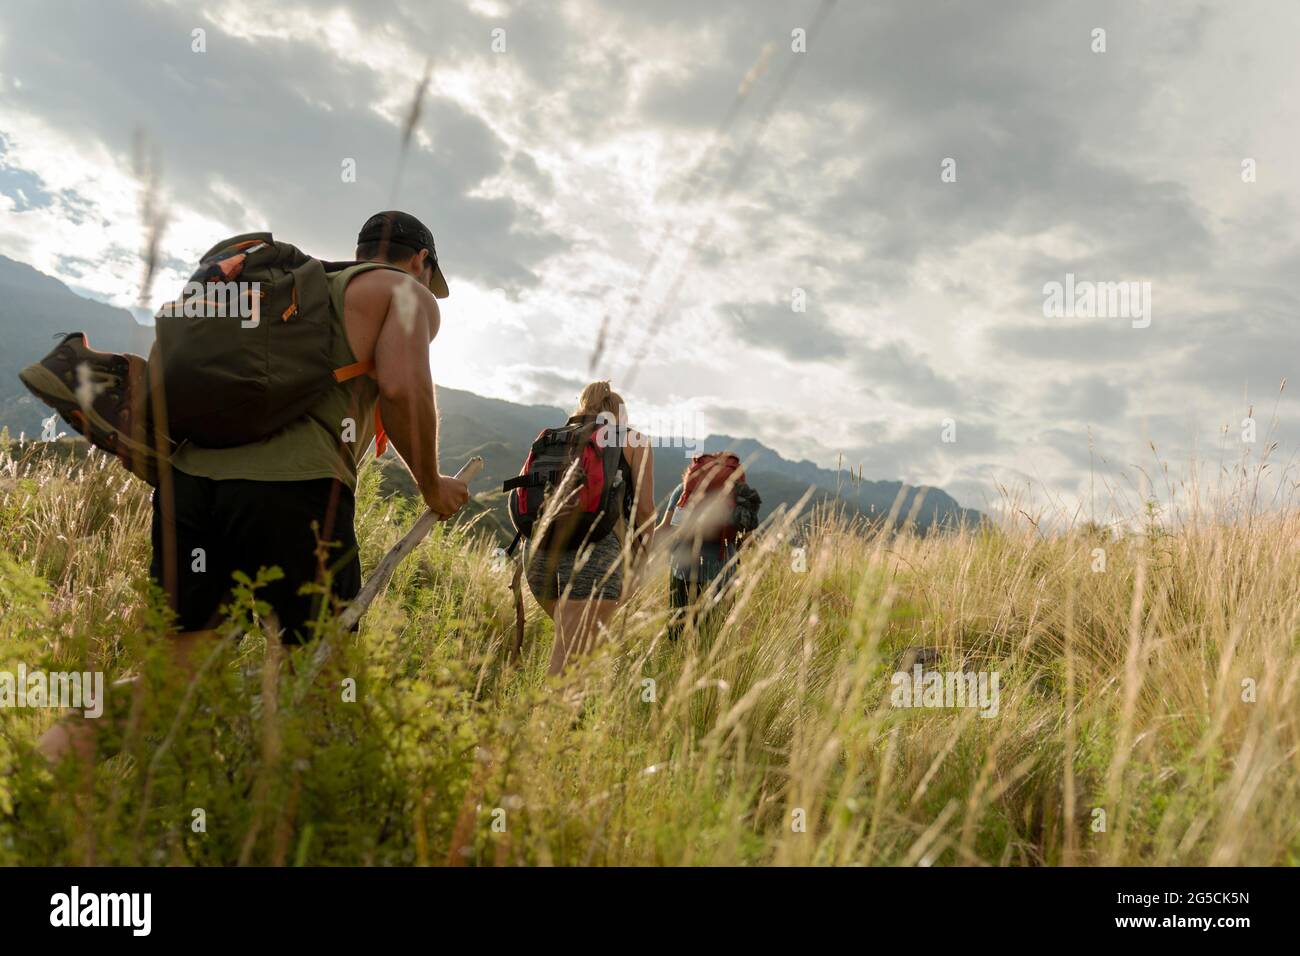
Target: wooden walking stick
<point x="517" y="588"/>
<point x="384" y="570"/>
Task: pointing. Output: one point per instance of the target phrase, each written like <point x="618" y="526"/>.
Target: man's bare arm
<point x="406" y="396"/>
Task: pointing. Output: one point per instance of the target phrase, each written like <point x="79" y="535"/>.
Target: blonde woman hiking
<point x="584" y="504"/>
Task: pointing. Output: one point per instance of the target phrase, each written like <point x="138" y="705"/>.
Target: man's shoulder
<point x="374" y="289"/>
<point x="377" y="279"/>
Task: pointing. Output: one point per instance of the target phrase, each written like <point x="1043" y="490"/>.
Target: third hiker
<point x="707" y="518"/>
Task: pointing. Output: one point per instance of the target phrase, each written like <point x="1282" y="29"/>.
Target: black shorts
<point x="220" y="527"/>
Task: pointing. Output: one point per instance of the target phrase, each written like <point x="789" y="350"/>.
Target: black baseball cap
<point x="403" y="229"/>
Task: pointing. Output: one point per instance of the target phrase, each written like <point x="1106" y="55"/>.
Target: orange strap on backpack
<point x="352" y="371"/>
<point x="348" y="372"/>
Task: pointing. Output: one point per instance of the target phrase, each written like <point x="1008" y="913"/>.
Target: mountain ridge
<point x="34" y="307"/>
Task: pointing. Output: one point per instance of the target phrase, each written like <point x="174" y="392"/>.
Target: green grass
<point x="769" y="740"/>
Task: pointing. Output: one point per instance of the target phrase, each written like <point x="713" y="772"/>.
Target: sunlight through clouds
<point x="592" y="169"/>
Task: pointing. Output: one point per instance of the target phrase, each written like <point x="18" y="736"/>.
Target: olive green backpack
<point x="244" y="351"/>
<point x="247" y="348"/>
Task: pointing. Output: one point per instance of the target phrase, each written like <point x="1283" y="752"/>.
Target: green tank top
<point x="328" y="442"/>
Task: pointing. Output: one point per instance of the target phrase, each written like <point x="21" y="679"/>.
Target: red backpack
<point x="706" y="478"/>
<point x="597" y="492"/>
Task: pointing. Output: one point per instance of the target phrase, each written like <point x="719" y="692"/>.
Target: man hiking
<point x="286" y="501"/>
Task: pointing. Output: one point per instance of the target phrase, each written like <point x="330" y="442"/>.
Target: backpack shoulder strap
<point x="616" y="464"/>
<point x="339" y="274"/>
<point x="345" y="272"/>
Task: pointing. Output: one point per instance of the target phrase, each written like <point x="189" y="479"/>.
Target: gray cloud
<point x="926" y="297"/>
<point x="893" y="367"/>
<point x="799" y="336"/>
<point x="539" y="385"/>
<point x="1089" y="398"/>
<point x="274" y="119"/>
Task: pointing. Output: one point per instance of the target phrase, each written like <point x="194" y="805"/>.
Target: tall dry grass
<point x="1147" y="713"/>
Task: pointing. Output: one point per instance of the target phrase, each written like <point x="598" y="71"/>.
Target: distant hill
<point x="35" y="307"/>
<point x="501" y="432"/>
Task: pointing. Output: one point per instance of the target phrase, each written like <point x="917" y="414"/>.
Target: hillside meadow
<point x="1148" y="712"/>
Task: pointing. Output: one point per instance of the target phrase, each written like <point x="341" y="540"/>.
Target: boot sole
<point x="50" y="389"/>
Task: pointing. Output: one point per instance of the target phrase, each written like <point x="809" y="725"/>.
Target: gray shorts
<point x="593" y="572"/>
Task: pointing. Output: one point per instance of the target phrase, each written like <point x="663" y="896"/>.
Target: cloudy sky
<point x="680" y="175"/>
